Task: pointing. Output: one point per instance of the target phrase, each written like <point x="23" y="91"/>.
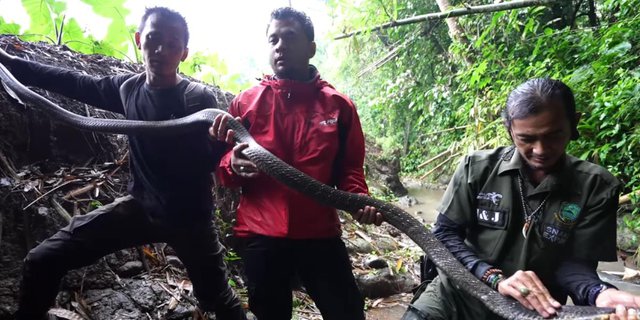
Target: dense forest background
<point x="430" y="91"/>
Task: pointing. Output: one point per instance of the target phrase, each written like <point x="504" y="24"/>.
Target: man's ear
<point x="312" y="49"/>
<point x="137" y="36"/>
<point x="185" y="54"/>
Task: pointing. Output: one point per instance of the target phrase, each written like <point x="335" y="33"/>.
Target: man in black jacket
<point x="170" y="196"/>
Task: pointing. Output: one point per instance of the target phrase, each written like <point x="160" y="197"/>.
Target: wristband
<point x="597" y="290"/>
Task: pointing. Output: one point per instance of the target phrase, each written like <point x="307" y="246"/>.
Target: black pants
<point x="324" y="269"/>
<point x="123" y="224"/>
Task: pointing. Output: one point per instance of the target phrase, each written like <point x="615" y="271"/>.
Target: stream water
<point x="428" y="201"/>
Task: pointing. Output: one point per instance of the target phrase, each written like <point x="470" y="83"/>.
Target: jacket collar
<point x="315" y="81"/>
<point x="512" y="163"/>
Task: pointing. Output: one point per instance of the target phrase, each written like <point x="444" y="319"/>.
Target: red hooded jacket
<point x="312" y="127"/>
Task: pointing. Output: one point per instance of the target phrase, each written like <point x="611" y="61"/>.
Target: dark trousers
<point x="322" y="265"/>
<point x="123" y="224"/>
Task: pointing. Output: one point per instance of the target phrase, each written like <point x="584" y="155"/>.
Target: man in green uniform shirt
<point x="529" y="220"/>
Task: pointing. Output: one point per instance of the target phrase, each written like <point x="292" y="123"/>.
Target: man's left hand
<point x="626" y="304"/>
<point x="369" y="215"/>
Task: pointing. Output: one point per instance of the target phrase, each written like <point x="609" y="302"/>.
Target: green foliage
<point x="94" y="204"/>
<point x="231" y="256"/>
<point x="210" y="68"/>
<point x="409" y="101"/>
<point x="49" y="22"/>
<point x="8" y="28"/>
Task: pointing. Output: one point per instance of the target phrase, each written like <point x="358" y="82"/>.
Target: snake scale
<point x="268" y="163"/>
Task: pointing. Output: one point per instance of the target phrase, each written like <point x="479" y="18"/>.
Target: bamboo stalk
<point x="438" y="156"/>
<point x="627" y="197"/>
<point x="448" y="160"/>
<point x="61" y="211"/>
<point x="447" y="130"/>
<point x="441" y="165"/>
<point x="517" y="4"/>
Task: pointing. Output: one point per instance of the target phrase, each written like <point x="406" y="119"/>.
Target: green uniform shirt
<point x="578" y="219"/>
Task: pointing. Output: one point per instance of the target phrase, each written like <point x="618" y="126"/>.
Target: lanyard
<point x="530" y="216"/>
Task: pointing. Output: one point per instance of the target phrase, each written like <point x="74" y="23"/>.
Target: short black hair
<point x="533" y="96"/>
<point x="168" y="14"/>
<point x="286" y="13"/>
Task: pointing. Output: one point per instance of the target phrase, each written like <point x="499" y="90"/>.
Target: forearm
<point x="452" y="236"/>
<point x="99" y="92"/>
<point x="580" y="279"/>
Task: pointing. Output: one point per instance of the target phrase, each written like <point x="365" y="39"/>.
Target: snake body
<point x="279" y="170"/>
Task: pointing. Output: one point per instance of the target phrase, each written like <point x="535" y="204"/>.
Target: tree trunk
<point x="593" y="17"/>
<point x="455" y="30"/>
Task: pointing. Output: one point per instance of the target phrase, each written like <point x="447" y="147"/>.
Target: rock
<point x="96" y="276"/>
<point x="43" y="211"/>
<point x="130" y="268"/>
<point x="359" y="245"/>
<point x="407" y="201"/>
<point x="627" y="240"/>
<point x="111" y="304"/>
<point x="174" y="261"/>
<point x="181" y="312"/>
<point x="376" y="262"/>
<point x="383" y="284"/>
<point x="6" y="182"/>
<point x="386" y="244"/>
<point x="384" y="168"/>
<point x="394" y="232"/>
<point x="147" y="295"/>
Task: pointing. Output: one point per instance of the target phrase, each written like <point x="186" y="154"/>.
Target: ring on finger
<point x="524" y="291"/>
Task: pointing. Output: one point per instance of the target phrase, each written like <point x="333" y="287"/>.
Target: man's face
<point x="289" y="49"/>
<point x="542" y="138"/>
<point x="163" y="45"/>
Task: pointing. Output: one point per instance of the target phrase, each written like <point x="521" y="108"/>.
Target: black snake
<point x="505" y="307"/>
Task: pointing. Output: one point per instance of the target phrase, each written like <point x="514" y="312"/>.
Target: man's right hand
<point x="219" y="131"/>
<point x="526" y="287"/>
<point x="5" y="57"/>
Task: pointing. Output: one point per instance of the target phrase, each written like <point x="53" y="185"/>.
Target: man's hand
<point x="526" y="287"/>
<point x="624" y="302"/>
<point x="218" y="129"/>
<point x="242" y="166"/>
<point x="369" y="215"/>
<point x="5" y="57"/>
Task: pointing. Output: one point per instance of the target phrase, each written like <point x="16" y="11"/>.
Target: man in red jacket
<point x="305" y="122"/>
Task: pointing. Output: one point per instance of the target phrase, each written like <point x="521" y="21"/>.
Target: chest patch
<point x="493" y="197"/>
<point x="491" y="218"/>
<point x="555" y="234"/>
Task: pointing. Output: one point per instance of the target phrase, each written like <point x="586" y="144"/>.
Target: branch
<point x="516" y="4"/>
<point x="627" y="197"/>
